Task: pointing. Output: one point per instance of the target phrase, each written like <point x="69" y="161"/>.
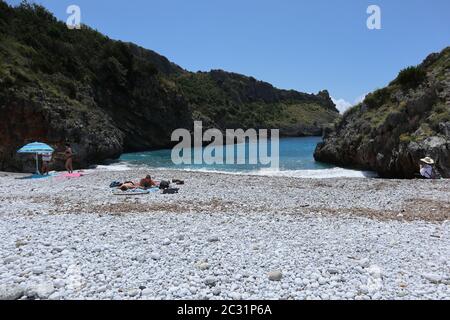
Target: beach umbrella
<point x="36" y="148"/>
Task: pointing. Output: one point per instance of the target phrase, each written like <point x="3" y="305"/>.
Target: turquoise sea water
<point x="295" y="154"/>
<point x="296" y="159"/>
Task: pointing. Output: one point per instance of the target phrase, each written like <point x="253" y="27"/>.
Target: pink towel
<point x="71" y="175"/>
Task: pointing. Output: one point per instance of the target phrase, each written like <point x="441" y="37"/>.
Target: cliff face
<point x="90" y="132"/>
<point x="227" y="101"/>
<point x="106" y="97"/>
<point x="396" y="126"/>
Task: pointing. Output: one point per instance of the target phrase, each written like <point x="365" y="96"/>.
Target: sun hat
<point x="427" y="160"/>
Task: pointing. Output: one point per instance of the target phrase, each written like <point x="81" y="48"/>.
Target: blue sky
<point x="293" y="44"/>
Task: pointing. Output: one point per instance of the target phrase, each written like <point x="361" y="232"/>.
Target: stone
<point x="275" y="275"/>
<point x="38" y="270"/>
<point x="375" y="271"/>
<point x="332" y="270"/>
<point x="155" y="256"/>
<point x="193" y="290"/>
<point x="147" y="292"/>
<point x="59" y="283"/>
<point x="58" y="249"/>
<point x="11" y="259"/>
<point x="133" y="292"/>
<point x="433" y="278"/>
<point x="55" y="296"/>
<point x="210" y="281"/>
<point x="364" y="263"/>
<point x="213" y="239"/>
<point x="363" y="289"/>
<point x="97" y="249"/>
<point x="203" y="266"/>
<point x="43" y="290"/>
<point x="10" y="292"/>
<point x="235" y="296"/>
<point x="101" y="289"/>
<point x="142" y="259"/>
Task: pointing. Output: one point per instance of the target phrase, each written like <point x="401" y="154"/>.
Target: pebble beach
<point x="224" y="237"/>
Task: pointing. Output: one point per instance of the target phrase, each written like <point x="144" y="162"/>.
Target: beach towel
<point x="38" y="176"/>
<point x="132" y="192"/>
<point x="72" y="175"/>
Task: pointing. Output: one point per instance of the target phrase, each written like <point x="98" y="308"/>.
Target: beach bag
<point x="171" y="191"/>
<point x="115" y="184"/>
<point x="164" y="185"/>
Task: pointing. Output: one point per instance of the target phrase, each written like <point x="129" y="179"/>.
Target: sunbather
<point x="145" y="183"/>
<point x="128" y="186"/>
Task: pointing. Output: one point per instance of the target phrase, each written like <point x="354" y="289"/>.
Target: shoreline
<point x="325" y="173"/>
<point x="220" y="237"/>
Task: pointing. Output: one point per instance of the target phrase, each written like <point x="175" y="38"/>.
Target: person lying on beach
<point x="128" y="185"/>
<point x="145" y="183"/>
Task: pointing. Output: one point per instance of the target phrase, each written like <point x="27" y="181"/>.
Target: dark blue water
<point x="295" y="154"/>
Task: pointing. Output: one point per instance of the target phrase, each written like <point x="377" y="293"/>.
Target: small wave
<point x="121" y="166"/>
<point x="318" y="174"/>
<point x="313" y="174"/>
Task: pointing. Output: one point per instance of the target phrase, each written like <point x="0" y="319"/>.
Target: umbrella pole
<point x="37" y="165"/>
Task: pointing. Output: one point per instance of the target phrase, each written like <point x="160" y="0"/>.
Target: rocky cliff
<point x="228" y="100"/>
<point x="396" y="126"/>
<point x="106" y="97"/>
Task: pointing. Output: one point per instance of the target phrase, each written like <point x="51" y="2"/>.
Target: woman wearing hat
<point x="426" y="168"/>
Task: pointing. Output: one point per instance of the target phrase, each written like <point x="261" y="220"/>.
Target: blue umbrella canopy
<point x="36" y="147"/>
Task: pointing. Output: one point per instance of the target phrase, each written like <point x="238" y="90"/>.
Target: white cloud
<point x="343" y="105"/>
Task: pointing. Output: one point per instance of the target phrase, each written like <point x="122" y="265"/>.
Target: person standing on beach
<point x="69" y="161"/>
<point x="46" y="159"/>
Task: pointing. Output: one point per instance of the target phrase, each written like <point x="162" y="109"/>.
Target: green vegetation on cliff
<point x="397" y="125"/>
<point x="228" y="100"/>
